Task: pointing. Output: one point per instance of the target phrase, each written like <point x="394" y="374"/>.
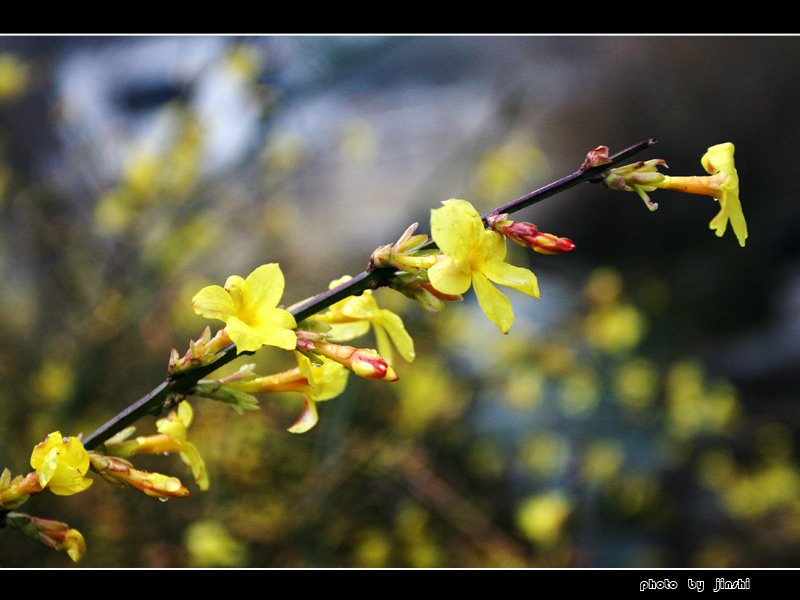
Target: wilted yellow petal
<point x="307" y="419"/>
<point x="75" y="545"/>
<point x="190" y="455"/>
<point x="719" y="159"/>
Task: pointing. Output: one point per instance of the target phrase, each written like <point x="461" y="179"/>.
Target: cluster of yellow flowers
<point x="61" y="464"/>
<point x="466" y="250"/>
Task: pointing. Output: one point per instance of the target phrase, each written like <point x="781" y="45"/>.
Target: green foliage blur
<point x="607" y="429"/>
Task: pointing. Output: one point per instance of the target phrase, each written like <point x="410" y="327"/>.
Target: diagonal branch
<point x="371" y="278"/>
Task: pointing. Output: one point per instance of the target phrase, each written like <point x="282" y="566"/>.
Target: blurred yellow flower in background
<point x="14" y="76"/>
<point x="209" y="544"/>
<point x="542" y="517"/>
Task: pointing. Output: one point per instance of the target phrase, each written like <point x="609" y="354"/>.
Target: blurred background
<point x="642" y="413"/>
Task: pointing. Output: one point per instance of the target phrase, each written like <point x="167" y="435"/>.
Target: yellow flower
<point x="352" y="317"/>
<point x="475" y="256"/>
<point x="61" y="464"/>
<point x="171" y="437"/>
<point x="325" y="381"/>
<point x="317" y="382"/>
<point x="719" y="159"/>
<point x="174" y="426"/>
<point x="723" y="184"/>
<point x="248" y="308"/>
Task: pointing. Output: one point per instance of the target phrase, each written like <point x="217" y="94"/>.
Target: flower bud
<point x="55" y="534"/>
<point x="640" y="177"/>
<point x="16" y="491"/>
<point x="120" y="472"/>
<point x="401" y="256"/>
<point x="364" y="362"/>
<point x="527" y="234"/>
<point x="595" y="158"/>
<point x="200" y="353"/>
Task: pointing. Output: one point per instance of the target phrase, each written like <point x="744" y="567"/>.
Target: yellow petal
<point x="76" y="484"/>
<point x="43" y="449"/>
<point x="736" y="217"/>
<point x="493" y="303"/>
<point x="244" y="336"/>
<point x="455" y="227"/>
<point x="191" y="457"/>
<point x="213" y="302"/>
<point x="490" y="245"/>
<point x="518" y="278"/>
<point x="276" y="317"/>
<point x="398" y="334"/>
<point x="718" y="159"/>
<point x="307" y="419"/>
<point x="331" y="382"/>
<point x="325" y="381"/>
<point x="449" y="277"/>
<point x="47" y="467"/>
<point x="75" y="545"/>
<point x="278" y="334"/>
<point x="185" y="413"/>
<point x="234" y="286"/>
<point x="730" y="209"/>
<point x="75" y="455"/>
<point x="361" y="307"/>
<point x="342" y="332"/>
<point x="384" y="346"/>
<point x="263" y="287"/>
<point x="173" y="429"/>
